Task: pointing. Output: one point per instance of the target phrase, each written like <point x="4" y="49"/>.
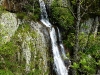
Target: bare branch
<point x="82" y="7"/>
<point x="87" y="7"/>
<point x="72" y="12"/>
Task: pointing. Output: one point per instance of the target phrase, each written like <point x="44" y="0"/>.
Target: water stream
<point x="59" y="65"/>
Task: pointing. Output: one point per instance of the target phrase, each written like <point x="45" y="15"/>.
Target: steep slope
<point x="24" y="46"/>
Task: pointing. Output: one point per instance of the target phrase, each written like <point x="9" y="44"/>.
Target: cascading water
<point x="61" y="45"/>
<point x="44" y="16"/>
<point x="58" y="62"/>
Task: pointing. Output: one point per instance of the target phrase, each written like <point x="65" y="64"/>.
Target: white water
<point x="61" y="44"/>
<point x="58" y="62"/>
<point x="44" y="16"/>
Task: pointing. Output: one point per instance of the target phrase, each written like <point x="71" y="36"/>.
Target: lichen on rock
<point x="8" y="25"/>
<point x="27" y="44"/>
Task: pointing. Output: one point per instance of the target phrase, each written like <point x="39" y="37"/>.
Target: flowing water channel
<point x="59" y="65"/>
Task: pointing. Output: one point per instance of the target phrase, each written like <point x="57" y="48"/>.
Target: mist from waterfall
<point x="59" y="65"/>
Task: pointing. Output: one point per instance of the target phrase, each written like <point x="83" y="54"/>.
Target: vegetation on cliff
<point x="20" y="52"/>
<point x="83" y="48"/>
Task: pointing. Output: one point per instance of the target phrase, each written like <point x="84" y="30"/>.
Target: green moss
<point x="22" y="15"/>
<point x="7" y="52"/>
<point x="8" y="49"/>
<point x="2" y="10"/>
<point x="24" y="29"/>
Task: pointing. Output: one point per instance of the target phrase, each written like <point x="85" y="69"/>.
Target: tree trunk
<point x="96" y="26"/>
<point x="76" y="49"/>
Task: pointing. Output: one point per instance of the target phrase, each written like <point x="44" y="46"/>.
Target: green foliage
<point x="1" y="10"/>
<point x="6" y="72"/>
<point x="61" y="15"/>
<point x="30" y="11"/>
<point x="22" y="15"/>
<point x="25" y="28"/>
<point x="89" y="46"/>
<point x="36" y="14"/>
<point x="82" y="40"/>
<point x="35" y="72"/>
<point x="29" y="7"/>
<point x="75" y="65"/>
<point x="73" y="2"/>
<point x="31" y="16"/>
<point x="0" y="35"/>
<point x="94" y="46"/>
<point x="8" y="49"/>
<point x="87" y="64"/>
<point x="7" y="53"/>
<point x="57" y="3"/>
<point x="70" y="40"/>
<point x="88" y="55"/>
<point x="95" y="4"/>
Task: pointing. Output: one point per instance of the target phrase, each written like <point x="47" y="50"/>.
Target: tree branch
<point x="72" y="12"/>
<point x="86" y="9"/>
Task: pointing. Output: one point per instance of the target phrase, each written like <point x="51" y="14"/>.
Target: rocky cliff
<point x="24" y="45"/>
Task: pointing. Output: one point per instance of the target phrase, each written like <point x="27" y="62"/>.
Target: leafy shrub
<point x="88" y="55"/>
<point x="30" y="11"/>
<point x="1" y="10"/>
<point x="6" y="72"/>
<point x="21" y="15"/>
<point x="87" y="64"/>
<point x="8" y="49"/>
<point x="61" y="15"/>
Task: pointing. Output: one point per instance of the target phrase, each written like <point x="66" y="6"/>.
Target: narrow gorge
<point x="59" y="65"/>
<point x="28" y="45"/>
<point x="49" y="37"/>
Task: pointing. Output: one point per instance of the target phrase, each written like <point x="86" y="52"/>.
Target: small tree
<point x="82" y="8"/>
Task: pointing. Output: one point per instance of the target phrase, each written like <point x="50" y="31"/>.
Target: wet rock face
<point x="67" y="63"/>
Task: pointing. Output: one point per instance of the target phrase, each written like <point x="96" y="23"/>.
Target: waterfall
<point x="59" y="65"/>
<point x="44" y="16"/>
<point x="61" y="44"/>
